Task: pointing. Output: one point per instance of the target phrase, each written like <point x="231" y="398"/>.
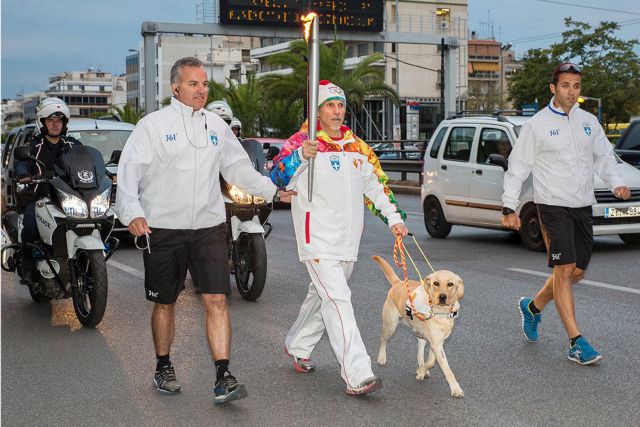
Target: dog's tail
<point x="388" y="271"/>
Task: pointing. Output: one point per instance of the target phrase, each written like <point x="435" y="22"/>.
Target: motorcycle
<point x="74" y="227"/>
<point x="247" y="229"/>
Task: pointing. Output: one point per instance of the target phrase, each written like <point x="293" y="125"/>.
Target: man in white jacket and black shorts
<point x="562" y="146"/>
<point x="347" y="176"/>
<point x="169" y="195"/>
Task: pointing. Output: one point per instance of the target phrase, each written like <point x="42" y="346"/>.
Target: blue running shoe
<point x="529" y="320"/>
<point x="228" y="389"/>
<point x="583" y="353"/>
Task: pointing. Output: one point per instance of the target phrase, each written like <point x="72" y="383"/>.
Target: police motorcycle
<point x="247" y="225"/>
<point x="74" y="226"/>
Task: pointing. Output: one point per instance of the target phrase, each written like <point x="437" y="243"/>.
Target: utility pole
<point x="442" y="113"/>
<point x="396" y="120"/>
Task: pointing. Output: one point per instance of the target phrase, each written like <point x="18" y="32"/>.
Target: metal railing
<point x="404" y="156"/>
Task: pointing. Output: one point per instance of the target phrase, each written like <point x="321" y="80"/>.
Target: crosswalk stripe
<point x="582" y="282"/>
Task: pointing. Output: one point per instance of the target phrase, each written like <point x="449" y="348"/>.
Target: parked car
<point x="105" y="135"/>
<point x="393" y="150"/>
<point x="464" y="170"/>
<point x="628" y="146"/>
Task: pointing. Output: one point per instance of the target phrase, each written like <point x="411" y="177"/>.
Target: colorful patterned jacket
<point x="331" y="225"/>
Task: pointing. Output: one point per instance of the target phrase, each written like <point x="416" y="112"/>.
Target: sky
<point x="41" y="38"/>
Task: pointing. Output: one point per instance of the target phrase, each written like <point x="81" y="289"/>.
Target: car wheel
<point x="434" y="219"/>
<point x="530" y="229"/>
<point x="631" y="239"/>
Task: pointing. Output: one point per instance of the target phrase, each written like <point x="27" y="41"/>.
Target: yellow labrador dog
<point x="443" y="289"/>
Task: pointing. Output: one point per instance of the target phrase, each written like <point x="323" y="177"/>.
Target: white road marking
<point x="132" y="271"/>
<point x="582" y="282"/>
<point x="414" y="213"/>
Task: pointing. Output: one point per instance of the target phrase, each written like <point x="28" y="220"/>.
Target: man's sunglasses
<point x="566" y="67"/>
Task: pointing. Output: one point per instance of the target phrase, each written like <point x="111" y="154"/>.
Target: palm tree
<point x="361" y="82"/>
<point x="246" y="102"/>
<point x="128" y="114"/>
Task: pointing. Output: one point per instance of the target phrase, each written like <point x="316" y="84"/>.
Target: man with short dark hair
<point x="562" y="146"/>
<point x="169" y="193"/>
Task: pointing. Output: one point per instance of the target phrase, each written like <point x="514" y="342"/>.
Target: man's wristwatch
<point x="276" y="197"/>
<point x="507" y="211"/>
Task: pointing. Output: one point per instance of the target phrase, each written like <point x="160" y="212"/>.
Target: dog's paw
<point x="422" y="373"/>
<point x="457" y="392"/>
<point x="382" y="359"/>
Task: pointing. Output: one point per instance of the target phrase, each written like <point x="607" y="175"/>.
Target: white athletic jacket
<point x="563" y="151"/>
<point x="347" y="175"/>
<point x="169" y="169"/>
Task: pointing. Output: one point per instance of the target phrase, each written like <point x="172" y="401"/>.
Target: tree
<point x="611" y="69"/>
<point x="359" y="83"/>
<point x="128" y="114"/>
<point x="483" y="96"/>
<point x="246" y="102"/>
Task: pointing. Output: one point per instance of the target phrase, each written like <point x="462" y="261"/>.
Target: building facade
<point x="88" y="92"/>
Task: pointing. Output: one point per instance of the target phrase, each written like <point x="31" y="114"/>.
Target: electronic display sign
<point x="349" y="15"/>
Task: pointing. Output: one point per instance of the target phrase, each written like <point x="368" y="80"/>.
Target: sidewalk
<point x="404" y="187"/>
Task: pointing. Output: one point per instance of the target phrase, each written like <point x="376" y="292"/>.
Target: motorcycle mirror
<point x="23" y="153"/>
<point x="115" y="157"/>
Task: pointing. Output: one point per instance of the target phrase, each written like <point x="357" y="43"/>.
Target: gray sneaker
<point x="367" y="386"/>
<point x="165" y="380"/>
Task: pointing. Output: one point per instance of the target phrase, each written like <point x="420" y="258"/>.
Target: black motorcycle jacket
<point x="49" y="154"/>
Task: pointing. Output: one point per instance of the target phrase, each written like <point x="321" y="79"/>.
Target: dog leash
<point x="400" y="261"/>
<point x="399" y="247"/>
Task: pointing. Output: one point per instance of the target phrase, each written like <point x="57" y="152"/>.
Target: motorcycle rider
<point x="236" y="127"/>
<point x="50" y="141"/>
<point x="222" y="109"/>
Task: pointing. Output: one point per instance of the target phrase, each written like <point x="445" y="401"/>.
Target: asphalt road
<point x="55" y="373"/>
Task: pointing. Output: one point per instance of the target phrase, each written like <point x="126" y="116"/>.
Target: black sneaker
<point x="165" y="380"/>
<point x="228" y="389"/>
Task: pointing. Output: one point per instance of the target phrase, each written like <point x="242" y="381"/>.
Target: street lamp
<point x="582" y="99"/>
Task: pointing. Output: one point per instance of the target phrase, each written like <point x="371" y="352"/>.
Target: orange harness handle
<point x="398" y="247"/>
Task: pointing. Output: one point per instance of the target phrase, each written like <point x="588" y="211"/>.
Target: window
<point x="363" y="49"/>
<point x="393" y="75"/>
<point x="493" y="141"/>
<point x="631" y="137"/>
<point x="459" y="144"/>
<point x="437" y="143"/>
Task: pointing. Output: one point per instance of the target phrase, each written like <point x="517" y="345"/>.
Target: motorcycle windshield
<point x="82" y="167"/>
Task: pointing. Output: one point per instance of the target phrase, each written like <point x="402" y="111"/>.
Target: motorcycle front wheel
<point x="90" y="293"/>
<point x="251" y="266"/>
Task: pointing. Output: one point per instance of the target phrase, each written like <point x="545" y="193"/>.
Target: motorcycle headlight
<point x="258" y="200"/>
<point x="238" y="196"/>
<point x="72" y="205"/>
<point x="100" y="204"/>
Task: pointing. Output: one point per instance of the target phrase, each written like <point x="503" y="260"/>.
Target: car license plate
<point x="622" y="212"/>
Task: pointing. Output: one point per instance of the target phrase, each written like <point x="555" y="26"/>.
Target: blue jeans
<point x="29" y="225"/>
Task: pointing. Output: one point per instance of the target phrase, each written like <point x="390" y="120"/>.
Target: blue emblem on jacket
<point x="587" y="128"/>
<point x="213" y="137"/>
<point x="335" y="162"/>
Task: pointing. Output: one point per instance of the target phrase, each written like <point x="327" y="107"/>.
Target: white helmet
<point x="52" y="107"/>
<point x="222" y="109"/>
<point x="235" y="123"/>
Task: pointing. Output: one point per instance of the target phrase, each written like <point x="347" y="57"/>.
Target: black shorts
<point x="568" y="234"/>
<point x="203" y="252"/>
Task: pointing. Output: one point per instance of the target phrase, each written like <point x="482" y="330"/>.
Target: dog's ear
<point x="427" y="280"/>
<point x="460" y="287"/>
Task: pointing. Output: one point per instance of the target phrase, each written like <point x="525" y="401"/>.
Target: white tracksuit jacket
<point x="169" y="169"/>
<point x="346" y="171"/>
<point x="563" y="151"/>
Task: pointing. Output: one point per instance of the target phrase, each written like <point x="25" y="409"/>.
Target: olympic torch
<point x="313" y="76"/>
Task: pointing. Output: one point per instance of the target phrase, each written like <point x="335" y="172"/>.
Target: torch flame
<point x="307" y="20"/>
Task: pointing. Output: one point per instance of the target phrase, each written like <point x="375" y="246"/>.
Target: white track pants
<point x="328" y="306"/>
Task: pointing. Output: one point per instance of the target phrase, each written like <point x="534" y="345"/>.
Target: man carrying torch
<point x="328" y="231"/>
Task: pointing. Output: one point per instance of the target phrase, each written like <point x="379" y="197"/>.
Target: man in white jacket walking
<point x="328" y="232"/>
<point x="169" y="194"/>
<point x="562" y="146"/>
